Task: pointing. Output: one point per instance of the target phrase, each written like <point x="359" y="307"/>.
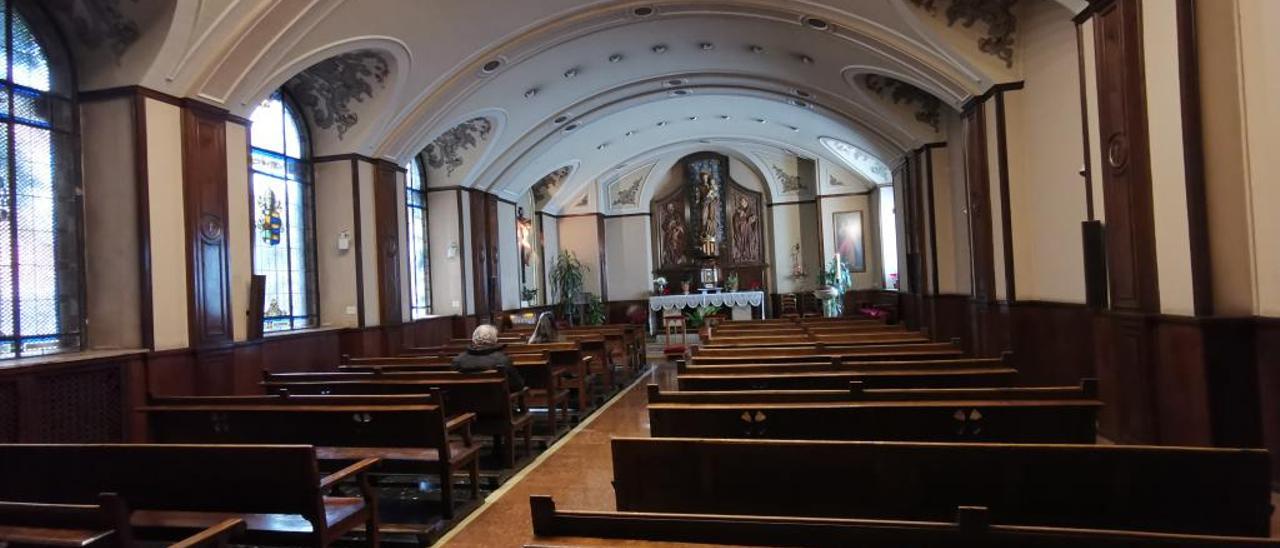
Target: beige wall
<point x="239" y="232"/>
<point x="581" y="236"/>
<point x="959" y="210"/>
<point x="628" y="256"/>
<point x="112" y="225"/>
<point x="828" y="207"/>
<point x="1260" y="48"/>
<point x="446" y="271"/>
<point x="168" y="232"/>
<point x="944" y="219"/>
<point x="336" y="269"/>
<point x="1091" y="111"/>
<point x="1168" y="175"/>
<point x="369" y="249"/>
<point x="508" y="257"/>
<point x="550" y="249"/>
<point x="1046" y="193"/>
<point x="997" y="229"/>
<point x="792" y="223"/>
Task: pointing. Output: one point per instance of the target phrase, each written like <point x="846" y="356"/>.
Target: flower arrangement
<point x="731" y="282"/>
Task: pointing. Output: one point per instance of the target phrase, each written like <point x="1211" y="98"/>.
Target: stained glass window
<point x="41" y="283"/>
<point x="283" y="225"/>
<point x="419" y="260"/>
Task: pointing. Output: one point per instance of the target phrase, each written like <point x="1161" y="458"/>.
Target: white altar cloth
<point x="736" y="299"/>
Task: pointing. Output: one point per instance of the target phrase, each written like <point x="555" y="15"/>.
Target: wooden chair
<point x="175" y="490"/>
<point x="673" y="322"/>
<point x="790" y="306"/>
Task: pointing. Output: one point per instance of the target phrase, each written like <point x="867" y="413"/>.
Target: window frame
<point x="428" y="308"/>
<point x="310" y="247"/>
<point x="56" y="47"/>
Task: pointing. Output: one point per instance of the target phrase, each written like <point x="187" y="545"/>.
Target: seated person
<point x="485" y="354"/>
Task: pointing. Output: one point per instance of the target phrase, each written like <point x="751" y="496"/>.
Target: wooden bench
<point x="843" y="339"/>
<point x="970" y="527"/>
<point x="179" y="489"/>
<point x="828" y="380"/>
<point x="409" y="438"/>
<point x="105" y="524"/>
<point x="851" y="353"/>
<point x="1087" y="389"/>
<point x="1013" y="421"/>
<point x="499" y="412"/>
<point x="1167" y="489"/>
<point x="834" y="364"/>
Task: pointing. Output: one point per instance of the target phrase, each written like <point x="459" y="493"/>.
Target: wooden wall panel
<point x="76" y="401"/>
<point x="1122" y="351"/>
<point x="387" y="229"/>
<point x="1126" y="169"/>
<point x="978" y="186"/>
<point x="1267" y="360"/>
<point x="204" y="167"/>
<point x="949" y="318"/>
<point x="1052" y="342"/>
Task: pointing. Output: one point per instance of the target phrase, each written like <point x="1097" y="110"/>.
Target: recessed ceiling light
<point x="643" y="11"/>
<point x="679" y="92"/>
<point x="491" y="66"/>
<point x="706" y="46"/>
<point x="816" y="23"/>
<point x="530" y="93"/>
<point x="802" y="93"/>
<point x="660" y="48"/>
<point x="602" y="146"/>
<point x="630" y="133"/>
<point x="805" y="59"/>
<point x="561" y="119"/>
<point x="572" y="126"/>
<point x="675" y="82"/>
<point x="662" y="123"/>
<point x="568" y="74"/>
<point x="799" y="103"/>
<point x="692" y="118"/>
<point x="756" y="48"/>
<point x="615" y="58"/>
<point x="793" y="128"/>
<point x="725" y="117"/>
<point x="759" y="120"/>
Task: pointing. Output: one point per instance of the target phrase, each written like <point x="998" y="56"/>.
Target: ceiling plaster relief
<point x="997" y="15"/>
<point x="98" y="24"/>
<point x="624" y="192"/>
<point x="447" y="151"/>
<point x="547" y="187"/>
<point x="925" y="108"/>
<point x="327" y="89"/>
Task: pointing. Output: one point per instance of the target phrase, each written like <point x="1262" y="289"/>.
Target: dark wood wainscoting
<point x="79" y="400"/>
<point x="1052" y="342"/>
<point x="1267" y="357"/>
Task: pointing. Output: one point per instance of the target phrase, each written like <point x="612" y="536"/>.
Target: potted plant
<point x="527" y="295"/>
<point x="835" y="280"/>
<point x="595" y="312"/>
<point x="660" y="285"/>
<point x="567" y="276"/>
<point x="731" y="282"/>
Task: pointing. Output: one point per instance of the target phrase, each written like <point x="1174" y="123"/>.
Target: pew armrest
<point x="359" y="468"/>
<point x="218" y="535"/>
<point x="461" y="422"/>
<point x="518" y="400"/>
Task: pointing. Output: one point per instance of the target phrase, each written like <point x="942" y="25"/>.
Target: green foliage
<point x="697" y="316"/>
<point x="528" y="293"/>
<point x="567" y="275"/>
<point x="595" y="313"/>
<point x="836" y="274"/>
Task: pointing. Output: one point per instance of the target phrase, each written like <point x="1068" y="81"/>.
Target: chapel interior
<point x="879" y="273"/>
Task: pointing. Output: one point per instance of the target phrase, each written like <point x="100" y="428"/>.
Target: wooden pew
<point x="970" y="527"/>
<point x="566" y="355"/>
<point x="1168" y="489"/>
<point x="835" y="364"/>
<point x="1087" y="389"/>
<point x="1010" y="421"/>
<point x="177" y="489"/>
<point x="409" y="438"/>
<point x="499" y="412"/>
<point x="828" y="380"/>
<point x="842" y="339"/>
<point x="846" y="352"/>
<point x="104" y="524"/>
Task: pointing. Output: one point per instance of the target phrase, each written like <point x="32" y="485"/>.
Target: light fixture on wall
<point x="452" y="251"/>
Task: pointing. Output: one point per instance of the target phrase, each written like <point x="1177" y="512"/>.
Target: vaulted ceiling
<point x="603" y="86"/>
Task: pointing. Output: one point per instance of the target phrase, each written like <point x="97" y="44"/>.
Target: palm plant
<point x="567" y="277"/>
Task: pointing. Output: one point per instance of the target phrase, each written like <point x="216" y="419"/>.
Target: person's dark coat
<point x="478" y="359"/>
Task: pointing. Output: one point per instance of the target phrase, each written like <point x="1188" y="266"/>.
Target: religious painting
<point x="704" y="179"/>
<point x="849" y="241"/>
<point x="745" y="230"/>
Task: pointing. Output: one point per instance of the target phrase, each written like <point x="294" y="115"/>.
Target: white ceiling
<point x="602" y="65"/>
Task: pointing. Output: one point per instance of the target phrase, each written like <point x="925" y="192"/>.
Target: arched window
<point x="284" y="228"/>
<point x="419" y="259"/>
<point x="41" y="282"/>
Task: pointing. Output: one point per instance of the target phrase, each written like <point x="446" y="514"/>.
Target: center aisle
<point x="578" y="473"/>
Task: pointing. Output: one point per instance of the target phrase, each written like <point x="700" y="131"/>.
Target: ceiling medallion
<point x="659" y="49"/>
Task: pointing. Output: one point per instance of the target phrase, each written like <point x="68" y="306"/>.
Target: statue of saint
<point x="673" y="237"/>
<point x="710" y="206"/>
<point x="746" y="244"/>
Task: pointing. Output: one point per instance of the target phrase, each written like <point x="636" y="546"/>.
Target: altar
<point x="740" y="302"/>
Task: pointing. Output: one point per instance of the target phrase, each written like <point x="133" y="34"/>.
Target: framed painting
<point x="850" y="244"/>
